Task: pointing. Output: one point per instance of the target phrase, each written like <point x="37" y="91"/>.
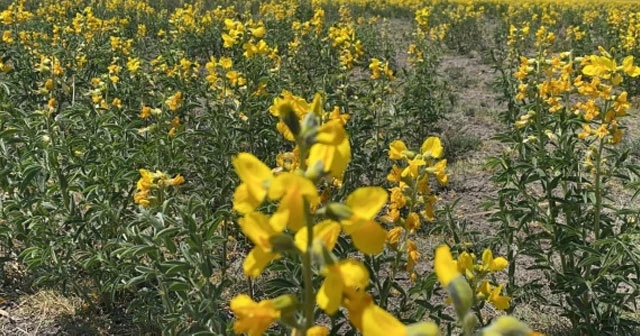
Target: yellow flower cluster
<point x="599" y="104"/>
<point x="150" y="182"/>
<point x="378" y="68"/>
<point x="343" y="38"/>
<point x="455" y="275"/>
<point x="412" y="200"/>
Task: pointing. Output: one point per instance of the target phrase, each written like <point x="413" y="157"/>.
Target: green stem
<point x="307" y="273"/>
<point x="309" y="300"/>
<point x="598" y="194"/>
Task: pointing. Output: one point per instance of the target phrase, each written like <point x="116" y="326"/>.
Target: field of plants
<point x="319" y="167"/>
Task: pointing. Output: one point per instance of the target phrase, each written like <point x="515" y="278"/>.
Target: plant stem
<point x="309" y="299"/>
<point x="598" y="194"/>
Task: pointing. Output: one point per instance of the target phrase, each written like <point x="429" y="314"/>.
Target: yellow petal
<point x="484" y="288"/>
<point x="324" y="154"/>
<point x="317" y="331"/>
<point x="327" y="231"/>
<point x="378" y="322"/>
<point x="254" y="173"/>
<point x="243" y="201"/>
<point x="316" y="105"/>
<point x="590" y="70"/>
<point x="444" y="265"/>
<point x="368" y="237"/>
<point x="331" y="133"/>
<point x="366" y="202"/>
<point x="487" y="259"/>
<point x="334" y="158"/>
<point x="241" y="301"/>
<point x="279" y="219"/>
<point x="396" y="148"/>
<point x="256" y="227"/>
<point x="290" y="183"/>
<point x="341" y="159"/>
<point x="629" y="68"/>
<point x="256" y="261"/>
<point x="499" y="264"/>
<point x="465" y="262"/>
<point x="432" y="147"/>
<point x="499" y="301"/>
<point x="355" y="277"/>
<point x="292" y="189"/>
<point x="329" y="295"/>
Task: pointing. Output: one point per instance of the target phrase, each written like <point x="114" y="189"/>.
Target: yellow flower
<point x="367" y="234"/>
<point x="258" y="32"/>
<point x="484" y="289"/>
<point x="292" y="189"/>
<point x="235" y="78"/>
<point x="412" y="167"/>
<point x="225" y="62"/>
<point x="412" y="255"/>
<point x="133" y="65"/>
<point x="336" y="115"/>
<point x="465" y="264"/>
<point x="253" y="317"/>
<point x="396" y="150"/>
<point x="255" y="177"/>
<point x="229" y="41"/>
<point x="393" y="236"/>
<point x="395" y="175"/>
<point x="117" y="103"/>
<point x="489" y="264"/>
<point x="177" y="180"/>
<point x="175" y="122"/>
<point x="145" y="112"/>
<point x="629" y="68"/>
<point x="332" y="148"/>
<point x="260" y="231"/>
<point x="326" y="231"/>
<point x="448" y="275"/>
<point x="317" y="331"/>
<point x="347" y="278"/>
<point x="412" y="222"/>
<point x="439" y="169"/>
<point x="175" y="102"/>
<point x="499" y="301"/>
<point x="445" y="266"/>
<point x="372" y="320"/>
<point x="432" y="148"/>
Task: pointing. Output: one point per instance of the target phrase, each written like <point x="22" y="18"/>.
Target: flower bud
<point x="461" y="295"/>
<point x="315" y="171"/>
<point x="322" y="255"/>
<point x="284" y="302"/>
<point x="409" y="154"/>
<point x="469" y="323"/>
<point x="422" y="329"/>
<point x="506" y="325"/>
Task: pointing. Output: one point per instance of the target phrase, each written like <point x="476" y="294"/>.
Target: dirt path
<point x="475" y="118"/>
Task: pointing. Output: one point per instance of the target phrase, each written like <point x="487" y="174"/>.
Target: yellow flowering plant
<point x="144" y="173"/>
<point x="567" y="142"/>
